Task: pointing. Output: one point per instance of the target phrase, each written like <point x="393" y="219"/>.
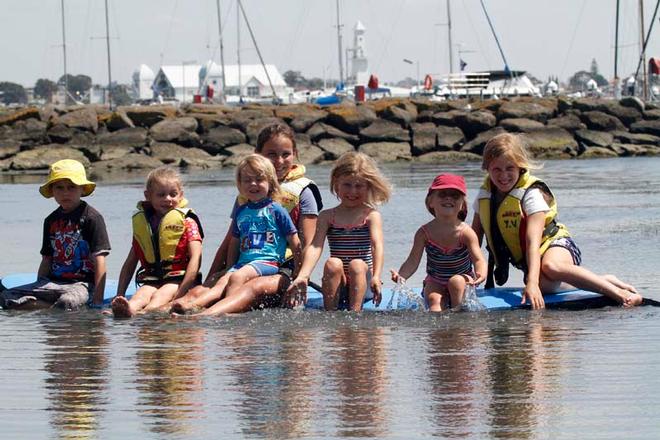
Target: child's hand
<point x="478" y="279"/>
<point x="296" y="294"/>
<point x="376" y="287"/>
<point x="396" y="277"/>
<point x="532" y="293"/>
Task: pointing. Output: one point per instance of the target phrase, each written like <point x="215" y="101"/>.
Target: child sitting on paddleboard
<point x="452" y="247"/>
<point x="261" y="231"/>
<point x="518" y="214"/>
<point x="355" y="235"/>
<point x="167" y="242"/>
<point x="74" y="246"/>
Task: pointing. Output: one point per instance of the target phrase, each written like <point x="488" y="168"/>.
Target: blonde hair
<point x="511" y="147"/>
<point x="263" y="168"/>
<point x="364" y="167"/>
<point x="163" y="174"/>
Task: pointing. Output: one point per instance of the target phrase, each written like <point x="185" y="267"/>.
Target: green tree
<point x="293" y="78"/>
<point x="120" y="94"/>
<point x="44" y="88"/>
<point x="12" y="93"/>
<point x="79" y="85"/>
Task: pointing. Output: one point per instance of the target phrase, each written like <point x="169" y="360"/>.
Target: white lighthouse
<point x="359" y="62"/>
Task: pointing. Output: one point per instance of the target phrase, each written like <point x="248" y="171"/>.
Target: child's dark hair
<point x="274" y="130"/>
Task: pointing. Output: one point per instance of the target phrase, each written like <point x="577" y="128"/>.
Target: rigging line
<point x="168" y="33"/>
<point x="482" y="50"/>
<point x="397" y="16"/>
<point x="490" y="23"/>
<point x="646" y="40"/>
<point x="570" y="46"/>
<point x="299" y="27"/>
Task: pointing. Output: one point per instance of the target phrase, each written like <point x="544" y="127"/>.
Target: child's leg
<point x="435" y="296"/>
<point x="357" y="273"/>
<point x="244" y="295"/>
<point x="557" y="266"/>
<point x="238" y="278"/>
<point x="124" y="308"/>
<point x="332" y="282"/>
<point x="161" y="297"/>
<point x="456" y="288"/>
<point x="201" y="296"/>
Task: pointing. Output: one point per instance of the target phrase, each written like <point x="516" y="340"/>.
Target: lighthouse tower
<point x="359" y="62"/>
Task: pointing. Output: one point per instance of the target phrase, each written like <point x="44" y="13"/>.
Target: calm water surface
<point x="303" y="374"/>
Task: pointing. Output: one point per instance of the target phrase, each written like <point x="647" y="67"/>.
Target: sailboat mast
<point x="341" y="63"/>
<point x="646" y="40"/>
<point x="616" y="52"/>
<point x="66" y="77"/>
<point x="107" y="41"/>
<point x="222" y="50"/>
<point x="451" y="53"/>
<point x="238" y="49"/>
<point x="641" y="41"/>
<point x="506" y="65"/>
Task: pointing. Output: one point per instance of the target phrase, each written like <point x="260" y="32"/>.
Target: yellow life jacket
<point x="157" y="248"/>
<point x="512" y="223"/>
<point x="289" y="197"/>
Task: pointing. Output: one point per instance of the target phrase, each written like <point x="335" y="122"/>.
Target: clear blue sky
<point x="555" y="37"/>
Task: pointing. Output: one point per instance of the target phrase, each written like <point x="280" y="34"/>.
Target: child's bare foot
<point x="121" y="308"/>
<point x="633" y="300"/>
<point x="620" y="284"/>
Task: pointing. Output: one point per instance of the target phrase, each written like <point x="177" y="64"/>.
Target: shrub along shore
<point x="204" y="136"/>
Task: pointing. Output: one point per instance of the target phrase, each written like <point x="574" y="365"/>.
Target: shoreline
<point x="207" y="136"/>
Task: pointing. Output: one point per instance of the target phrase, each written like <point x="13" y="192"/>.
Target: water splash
<point x="404" y="298"/>
<point x="471" y="301"/>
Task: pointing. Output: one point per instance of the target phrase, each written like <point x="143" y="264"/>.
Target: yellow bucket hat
<point x="67" y="169"/>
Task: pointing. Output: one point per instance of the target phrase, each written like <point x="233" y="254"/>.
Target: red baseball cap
<point x="449" y="181"/>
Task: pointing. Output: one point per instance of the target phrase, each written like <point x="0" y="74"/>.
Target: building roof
<point x="248" y="71"/>
<point x="175" y="74"/>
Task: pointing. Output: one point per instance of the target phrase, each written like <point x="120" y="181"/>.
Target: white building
<point x="253" y="80"/>
<point x="359" y="63"/>
<point x="143" y="79"/>
<point x="180" y="82"/>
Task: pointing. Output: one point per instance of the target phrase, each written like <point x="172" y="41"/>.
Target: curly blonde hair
<point x="362" y="166"/>
<point x="263" y="168"/>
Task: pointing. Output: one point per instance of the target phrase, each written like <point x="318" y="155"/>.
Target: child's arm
<point x="127" y="271"/>
<point x="44" y="266"/>
<point x="232" y="251"/>
<point x="309" y="259"/>
<point x="409" y="267"/>
<point x="377" y="249"/>
<point x="220" y="260"/>
<point x="306" y="228"/>
<point x="532" y="291"/>
<point x="192" y="268"/>
<point x="296" y="248"/>
<point x="100" y="273"/>
<point x="478" y="260"/>
<point x="477" y="228"/>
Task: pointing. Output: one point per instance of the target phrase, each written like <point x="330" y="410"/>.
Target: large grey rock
<point x="633" y="102"/>
<point x="335" y="147"/>
<point x="176" y="155"/>
<point x="424" y="137"/>
<point x="177" y="130"/>
<point x="110" y="152"/>
<point x="83" y="119"/>
<point x="237" y="153"/>
<point x="243" y="118"/>
<point x="119" y="120"/>
<point x="403" y="113"/>
<point x="9" y="148"/>
<point x="635" y="150"/>
<point x="587" y="104"/>
<point x="624" y="137"/>
<point x="60" y="134"/>
<point x="135" y="137"/>
<point x="653" y="114"/>
<point x="570" y="122"/>
<point x="592" y="138"/>
<point x="309" y="153"/>
<point x="439" y="157"/>
<point x="387" y="151"/>
<point x="321" y="130"/>
<point x="449" y="138"/>
<point x="384" y="131"/>
<point x="477" y="144"/>
<point x="447" y="118"/>
<point x="627" y="115"/>
<point x="41" y="157"/>
<point x="350" y="118"/>
<point x="526" y="110"/>
<point x="551" y="143"/>
<point x="29" y="132"/>
<point x="146" y="116"/>
<point x="596" y="153"/>
<point x="221" y="137"/>
<point x="474" y="123"/>
<point x="300" y="117"/>
<point x="12" y="117"/>
<point x="128" y="162"/>
<point x="649" y="127"/>
<point x="206" y="121"/>
<point x="600" y="121"/>
<point x="520" y="125"/>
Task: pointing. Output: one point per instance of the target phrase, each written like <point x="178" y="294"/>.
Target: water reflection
<point x="356" y="368"/>
<point x="275" y="378"/>
<point x="169" y="378"/>
<point x="77" y="365"/>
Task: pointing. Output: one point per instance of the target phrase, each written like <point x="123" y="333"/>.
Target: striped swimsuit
<point x="350" y="242"/>
<point x="442" y="263"/>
